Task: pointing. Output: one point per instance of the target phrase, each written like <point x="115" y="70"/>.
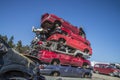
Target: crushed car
<point x="14" y="65"/>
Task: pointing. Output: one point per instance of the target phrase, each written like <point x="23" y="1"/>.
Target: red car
<point x="68" y="40"/>
<point x="75" y="36"/>
<point x="50" y="20"/>
<point x="59" y="58"/>
<point x="106" y="69"/>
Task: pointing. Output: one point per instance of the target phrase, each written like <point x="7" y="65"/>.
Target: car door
<point x="108" y="69"/>
<point x="63" y="71"/>
<point x="73" y="43"/>
<point x="65" y="59"/>
<point x="76" y="61"/>
<point x="74" y="72"/>
<point x="103" y="69"/>
<point x="68" y="71"/>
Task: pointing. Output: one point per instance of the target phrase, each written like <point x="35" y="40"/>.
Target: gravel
<point x="94" y="77"/>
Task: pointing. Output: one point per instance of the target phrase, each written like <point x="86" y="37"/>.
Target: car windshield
<point x="111" y="66"/>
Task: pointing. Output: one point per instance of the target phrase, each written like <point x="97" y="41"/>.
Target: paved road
<point x="95" y="77"/>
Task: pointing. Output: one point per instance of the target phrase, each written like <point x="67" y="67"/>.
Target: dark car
<point x="14" y="65"/>
<point x="106" y="69"/>
<point x="68" y="71"/>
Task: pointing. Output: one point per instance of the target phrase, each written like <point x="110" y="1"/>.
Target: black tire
<point x="111" y="74"/>
<point x="17" y="76"/>
<point x="61" y="40"/>
<point x="57" y="23"/>
<point x="79" y="55"/>
<point x="47" y="24"/>
<point x="86" y="51"/>
<point x="85" y="65"/>
<point x="55" y="73"/>
<point x="97" y="72"/>
<point x="86" y="75"/>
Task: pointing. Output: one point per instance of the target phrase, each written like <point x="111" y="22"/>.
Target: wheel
<point x="111" y="74"/>
<point x="79" y="55"/>
<point x="57" y="23"/>
<point x="97" y="72"/>
<point x="86" y="51"/>
<point x="61" y="40"/>
<point x="47" y="24"/>
<point x="87" y="75"/>
<point x="16" y="76"/>
<point x="85" y="65"/>
<point x="55" y="74"/>
<point x="119" y="75"/>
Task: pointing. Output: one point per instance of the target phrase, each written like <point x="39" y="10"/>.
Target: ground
<point x="95" y="77"/>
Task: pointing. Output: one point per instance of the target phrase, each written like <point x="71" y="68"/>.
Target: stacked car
<point x="59" y="42"/>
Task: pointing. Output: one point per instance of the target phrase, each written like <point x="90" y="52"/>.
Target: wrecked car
<point x="14" y="65"/>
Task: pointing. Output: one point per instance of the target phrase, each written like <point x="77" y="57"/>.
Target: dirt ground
<point x="94" y="77"/>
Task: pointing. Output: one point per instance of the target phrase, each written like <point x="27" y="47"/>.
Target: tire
<point x="16" y="76"/>
<point x="57" y="23"/>
<point x="61" y="40"/>
<point x="85" y="65"/>
<point x="47" y="24"/>
<point x="97" y="72"/>
<point x="111" y="74"/>
<point x="86" y="51"/>
<point x="86" y="75"/>
<point x="119" y="75"/>
<point x="79" y="55"/>
<point x="55" y="74"/>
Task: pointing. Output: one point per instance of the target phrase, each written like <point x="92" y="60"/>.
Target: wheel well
<point x="62" y="39"/>
<point x="57" y="22"/>
<point x="86" y="50"/>
<point x="49" y="24"/>
<point x="78" y="55"/>
<point x="54" y="72"/>
<point x="88" y="74"/>
<point x="85" y="64"/>
<point x="57" y="60"/>
<point x="15" y="72"/>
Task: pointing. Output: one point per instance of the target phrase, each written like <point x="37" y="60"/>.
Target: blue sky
<point x="99" y="18"/>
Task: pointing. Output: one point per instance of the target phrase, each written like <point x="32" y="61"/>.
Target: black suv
<point x="15" y="66"/>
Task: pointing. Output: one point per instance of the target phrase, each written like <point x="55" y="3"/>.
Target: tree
<point x="4" y="37"/>
<point x="10" y="42"/>
<point x="19" y="46"/>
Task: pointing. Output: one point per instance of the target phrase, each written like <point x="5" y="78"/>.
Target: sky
<point x="99" y="18"/>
